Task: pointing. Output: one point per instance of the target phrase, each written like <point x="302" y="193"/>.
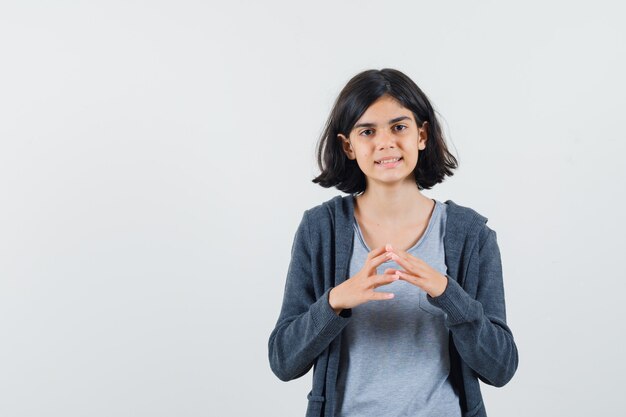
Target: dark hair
<point x="434" y="162"/>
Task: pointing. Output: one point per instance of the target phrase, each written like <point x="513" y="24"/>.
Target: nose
<point x="386" y="139"/>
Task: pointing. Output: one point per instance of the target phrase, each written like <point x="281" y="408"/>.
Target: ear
<point x="423" y="136"/>
<point x="346" y="146"/>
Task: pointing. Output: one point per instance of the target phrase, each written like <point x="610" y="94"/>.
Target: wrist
<point x="442" y="287"/>
<point x="332" y="301"/>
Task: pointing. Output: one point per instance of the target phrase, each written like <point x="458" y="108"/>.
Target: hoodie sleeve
<point x="307" y="324"/>
<point x="478" y="326"/>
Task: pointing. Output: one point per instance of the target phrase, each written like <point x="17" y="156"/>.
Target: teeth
<point x="386" y="161"/>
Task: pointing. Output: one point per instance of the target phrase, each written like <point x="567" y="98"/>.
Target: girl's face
<point x="386" y="131"/>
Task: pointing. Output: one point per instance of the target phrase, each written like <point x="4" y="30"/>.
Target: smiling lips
<point x="389" y="162"/>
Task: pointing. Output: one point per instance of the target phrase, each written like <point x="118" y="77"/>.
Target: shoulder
<point x="329" y="209"/>
<point x="464" y="213"/>
<point x="329" y="217"/>
<point x="465" y="220"/>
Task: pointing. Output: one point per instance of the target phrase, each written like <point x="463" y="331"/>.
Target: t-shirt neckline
<point x="431" y="221"/>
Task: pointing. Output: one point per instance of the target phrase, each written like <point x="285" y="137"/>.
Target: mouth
<point x="389" y="162"/>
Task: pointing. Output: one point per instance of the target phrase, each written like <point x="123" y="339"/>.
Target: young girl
<point x="396" y="299"/>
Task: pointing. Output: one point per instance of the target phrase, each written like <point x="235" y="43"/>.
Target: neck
<point x="392" y="205"/>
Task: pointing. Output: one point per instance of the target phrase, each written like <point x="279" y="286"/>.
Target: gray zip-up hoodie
<point x="307" y="331"/>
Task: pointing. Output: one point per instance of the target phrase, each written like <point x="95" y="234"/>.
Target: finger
<point x="374" y="253"/>
<point x="390" y="271"/>
<point x="375" y="295"/>
<point x="413" y="260"/>
<point x="405" y="254"/>
<point x="412" y="279"/>
<point x="384" y="279"/>
<point x="402" y="261"/>
<point x="410" y="263"/>
<point x="384" y="257"/>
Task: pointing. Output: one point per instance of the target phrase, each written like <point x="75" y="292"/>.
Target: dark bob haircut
<point x="434" y="162"/>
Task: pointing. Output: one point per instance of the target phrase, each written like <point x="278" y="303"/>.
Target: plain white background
<point x="156" y="158"/>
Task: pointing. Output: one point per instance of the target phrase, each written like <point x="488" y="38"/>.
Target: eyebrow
<point x="392" y="121"/>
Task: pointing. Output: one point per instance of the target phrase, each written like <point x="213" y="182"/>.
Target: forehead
<point x="386" y="107"/>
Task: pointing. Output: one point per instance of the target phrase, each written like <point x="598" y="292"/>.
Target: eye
<point x="402" y="126"/>
<point x="366" y="130"/>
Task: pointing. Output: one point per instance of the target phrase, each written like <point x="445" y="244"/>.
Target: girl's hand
<point x="417" y="272"/>
<point x="360" y="288"/>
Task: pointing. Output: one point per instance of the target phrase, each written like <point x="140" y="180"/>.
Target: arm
<point x="478" y="326"/>
<point x="306" y="324"/>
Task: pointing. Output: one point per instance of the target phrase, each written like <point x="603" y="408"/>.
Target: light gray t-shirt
<point x="394" y="356"/>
